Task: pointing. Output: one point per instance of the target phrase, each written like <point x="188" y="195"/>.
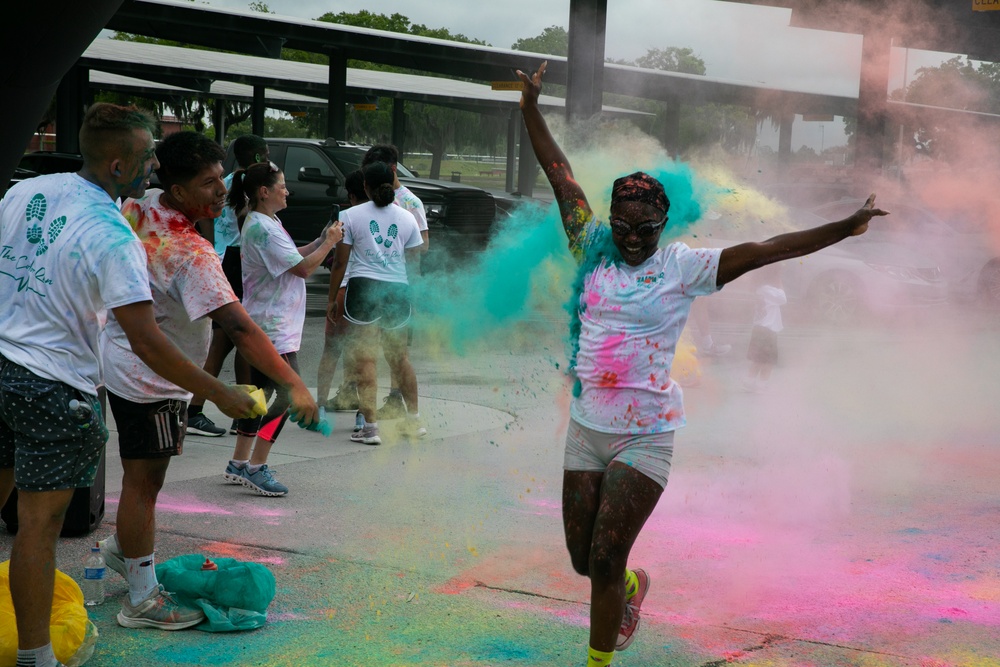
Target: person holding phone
<point x="274" y="294"/>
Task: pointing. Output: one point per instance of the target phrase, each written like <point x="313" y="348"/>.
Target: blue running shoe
<point x="234" y="474"/>
<point x="263" y="482"/>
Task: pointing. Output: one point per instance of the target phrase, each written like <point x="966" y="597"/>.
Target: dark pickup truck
<point x="459" y="217"/>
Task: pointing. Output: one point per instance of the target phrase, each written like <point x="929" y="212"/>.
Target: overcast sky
<point x="742" y="42"/>
<point x="737" y="41"/>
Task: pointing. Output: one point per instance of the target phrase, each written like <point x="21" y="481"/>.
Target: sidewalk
<point x="789" y="535"/>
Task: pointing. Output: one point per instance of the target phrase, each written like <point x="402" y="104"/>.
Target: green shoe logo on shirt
<point x="35" y="210"/>
<point x="391" y="233"/>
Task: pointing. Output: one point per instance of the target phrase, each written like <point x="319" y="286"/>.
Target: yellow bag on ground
<point x="73" y="635"/>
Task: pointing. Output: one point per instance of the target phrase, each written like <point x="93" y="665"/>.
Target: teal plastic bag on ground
<point x="234" y="597"/>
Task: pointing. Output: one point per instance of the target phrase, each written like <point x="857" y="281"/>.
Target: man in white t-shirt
<point x="394" y="407"/>
<point x="66" y="257"/>
<point x="248" y="149"/>
<point x="190" y="291"/>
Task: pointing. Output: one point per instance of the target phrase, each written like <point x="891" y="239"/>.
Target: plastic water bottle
<point x="81" y="411"/>
<point x="94" y="570"/>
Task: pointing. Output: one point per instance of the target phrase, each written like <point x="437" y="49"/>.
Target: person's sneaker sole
<point x="193" y="430"/>
<point x="372" y="440"/>
<point x="129" y="622"/>
<point x="232" y="478"/>
<point x="113" y="560"/>
<point x="260" y="490"/>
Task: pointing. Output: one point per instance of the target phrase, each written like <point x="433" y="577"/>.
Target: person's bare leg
<point x="333" y="346"/>
<point x="364" y="365"/>
<point x="261" y="449"/>
<point x="40" y="517"/>
<point x="362" y="344"/>
<point x="244" y="444"/>
<point x="765" y="372"/>
<point x="627" y="499"/>
<point x="398" y="358"/>
<point x="136" y="519"/>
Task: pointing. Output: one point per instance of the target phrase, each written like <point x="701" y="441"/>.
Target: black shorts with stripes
<point x="149" y="430"/>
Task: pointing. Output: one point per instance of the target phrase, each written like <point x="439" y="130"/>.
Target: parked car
<point x="44" y="162"/>
<point x="968" y="259"/>
<point x="843" y="282"/>
<point x="459" y="217"/>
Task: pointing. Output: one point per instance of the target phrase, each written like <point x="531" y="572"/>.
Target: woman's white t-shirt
<point x="274" y="298"/>
<point x="631" y="318"/>
<point x="379" y="237"/>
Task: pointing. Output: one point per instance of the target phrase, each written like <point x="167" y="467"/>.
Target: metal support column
<point x="336" y="116"/>
<point x="671" y="136"/>
<point x="512" y="125"/>
<point x="399" y="125"/>
<point x="872" y="103"/>
<point x="527" y="165"/>
<point x="785" y="144"/>
<point x="71" y="96"/>
<point x="585" y="80"/>
<point x="257" y="113"/>
<point x="219" y="121"/>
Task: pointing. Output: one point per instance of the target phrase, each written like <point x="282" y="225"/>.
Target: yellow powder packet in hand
<point x="258" y="395"/>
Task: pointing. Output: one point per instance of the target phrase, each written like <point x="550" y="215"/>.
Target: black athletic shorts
<point x="370" y="301"/>
<point x="149" y="430"/>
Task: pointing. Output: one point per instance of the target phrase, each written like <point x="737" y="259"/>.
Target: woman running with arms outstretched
<point x="634" y="302"/>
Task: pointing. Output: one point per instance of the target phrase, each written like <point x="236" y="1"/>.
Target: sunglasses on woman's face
<point x="644" y="229"/>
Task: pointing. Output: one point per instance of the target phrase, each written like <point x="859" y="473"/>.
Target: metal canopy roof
<point x="196" y="71"/>
<point x="225" y="90"/>
<point x="949" y="26"/>
<point x="264" y="34"/>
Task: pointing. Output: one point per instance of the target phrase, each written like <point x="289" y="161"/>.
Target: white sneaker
<point x="367" y="435"/>
<point x="113" y="559"/>
<point x="159" y="610"/>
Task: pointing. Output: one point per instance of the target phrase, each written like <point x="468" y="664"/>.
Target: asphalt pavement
<point x="846" y="516"/>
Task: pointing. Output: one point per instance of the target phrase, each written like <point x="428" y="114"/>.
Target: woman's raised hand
<point x="532" y="85"/>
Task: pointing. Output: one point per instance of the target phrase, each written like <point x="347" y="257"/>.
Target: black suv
<point x="44" y="162"/>
<point x="459" y="217"/>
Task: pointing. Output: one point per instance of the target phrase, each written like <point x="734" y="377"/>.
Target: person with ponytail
<point x="274" y="294"/>
<point x="378" y="238"/>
